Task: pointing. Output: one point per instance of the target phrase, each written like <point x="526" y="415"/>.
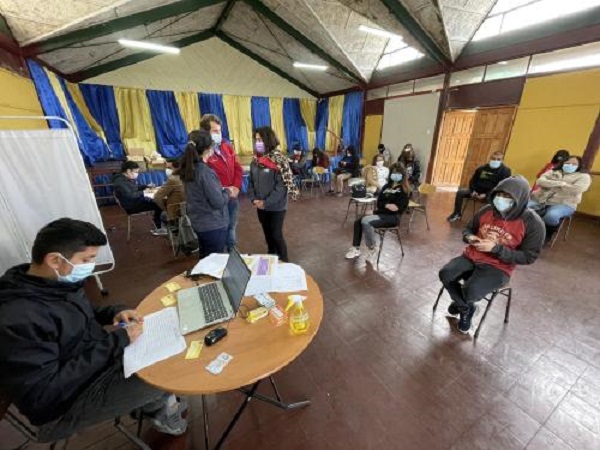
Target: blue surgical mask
<point x="79" y="273"/>
<point x="503" y="204"/>
<point x="396" y="177"/>
<point x="217" y="138"/>
<point x="569" y="168"/>
<point x="495" y="164"/>
<point x="259" y="147"/>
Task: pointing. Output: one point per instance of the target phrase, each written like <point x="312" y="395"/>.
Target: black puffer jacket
<point x="52" y="344"/>
<point x="128" y="192"/>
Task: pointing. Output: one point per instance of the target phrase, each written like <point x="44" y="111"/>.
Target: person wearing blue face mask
<point x="392" y="201"/>
<point x="59" y="364"/>
<point x="560" y="192"/>
<point x="500" y="237"/>
<point x="483" y="181"/>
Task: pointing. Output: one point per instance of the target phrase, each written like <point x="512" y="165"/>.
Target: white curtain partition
<point x="42" y="178"/>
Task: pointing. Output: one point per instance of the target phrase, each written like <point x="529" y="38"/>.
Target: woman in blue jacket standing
<point x="271" y="180"/>
<point x="207" y="199"/>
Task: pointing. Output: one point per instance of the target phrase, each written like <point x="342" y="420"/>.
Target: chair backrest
<point x="427" y="189"/>
<point x="320" y="170"/>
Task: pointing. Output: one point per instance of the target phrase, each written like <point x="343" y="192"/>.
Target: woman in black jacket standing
<point x="271" y="180"/>
<point x="391" y="203"/>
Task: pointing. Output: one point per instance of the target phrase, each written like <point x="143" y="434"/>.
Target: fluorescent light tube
<point x="300" y="65"/>
<point x="378" y="32"/>
<point x="149" y="46"/>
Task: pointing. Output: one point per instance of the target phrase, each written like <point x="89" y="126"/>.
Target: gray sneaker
<point x="168" y="419"/>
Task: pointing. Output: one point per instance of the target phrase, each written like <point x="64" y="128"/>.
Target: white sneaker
<point x="160" y="232"/>
<point x="372" y="254"/>
<point x="354" y="252"/>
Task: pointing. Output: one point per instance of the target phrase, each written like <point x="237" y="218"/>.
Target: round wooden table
<point x="258" y="350"/>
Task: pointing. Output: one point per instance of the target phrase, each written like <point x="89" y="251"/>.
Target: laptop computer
<point x="202" y="306"/>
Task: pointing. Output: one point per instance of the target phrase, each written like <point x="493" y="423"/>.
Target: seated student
<point x="58" y="364"/>
<point x="387" y="155"/>
<point x="319" y="159"/>
<point x="391" y="203"/>
<point x="559" y="194"/>
<point x="558" y="158"/>
<point x="297" y="161"/>
<point x="500" y="236"/>
<point x="349" y="167"/>
<point x="409" y="158"/>
<point x="171" y="194"/>
<point x="483" y="181"/>
<point x="131" y="195"/>
<point x="376" y="176"/>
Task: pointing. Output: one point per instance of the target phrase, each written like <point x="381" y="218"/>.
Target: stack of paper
<point x="213" y="265"/>
<point x="160" y="340"/>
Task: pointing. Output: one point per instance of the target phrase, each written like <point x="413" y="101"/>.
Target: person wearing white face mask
<point x="131" y="195"/>
<point x="376" y="176"/>
<point x="59" y="363"/>
<point x="499" y="237"/>
<point x="560" y="192"/>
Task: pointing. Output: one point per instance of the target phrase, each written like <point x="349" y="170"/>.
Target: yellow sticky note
<point x="172" y="287"/>
<point x="194" y="350"/>
<point x="168" y="300"/>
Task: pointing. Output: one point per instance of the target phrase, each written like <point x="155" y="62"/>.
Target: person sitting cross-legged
<point x="500" y="236"/>
<point x="59" y="363"/>
<point x="392" y="201"/>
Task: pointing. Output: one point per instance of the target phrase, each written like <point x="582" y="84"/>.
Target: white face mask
<point x="169" y="172"/>
<point x="79" y="273"/>
<point x="134" y="175"/>
<point x="379" y="163"/>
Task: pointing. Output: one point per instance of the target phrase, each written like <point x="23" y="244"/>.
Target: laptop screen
<point x="235" y="278"/>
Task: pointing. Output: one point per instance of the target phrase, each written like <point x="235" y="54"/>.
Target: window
<point x="377" y="93"/>
<point x="401" y="89"/>
<point x="566" y="59"/>
<point x="429" y="84"/>
<point x="469" y="76"/>
<point x="507" y="69"/>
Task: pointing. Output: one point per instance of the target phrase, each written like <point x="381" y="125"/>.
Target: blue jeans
<point x="234" y="209"/>
<point x="553" y="214"/>
<point x="212" y="241"/>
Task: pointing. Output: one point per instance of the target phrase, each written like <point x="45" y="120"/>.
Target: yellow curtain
<point x="336" y="111"/>
<point x="137" y="132"/>
<point x="308" y="108"/>
<point x="239" y="121"/>
<point x="189" y="109"/>
<point x="276" y="107"/>
<point x="77" y="97"/>
<point x="62" y="99"/>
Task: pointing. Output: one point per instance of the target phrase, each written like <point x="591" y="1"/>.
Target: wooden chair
<point x="129" y="216"/>
<point x="419" y="206"/>
<point x="565" y="220"/>
<point x="506" y="291"/>
<point x="382" y="232"/>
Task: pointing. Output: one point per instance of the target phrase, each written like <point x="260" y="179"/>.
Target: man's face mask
<point x="79" y="273"/>
<point x="495" y="164"/>
<point x="217" y="138"/>
<point x="503" y="204"/>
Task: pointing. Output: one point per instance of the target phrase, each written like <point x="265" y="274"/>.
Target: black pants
<point x="272" y="225"/>
<point x="109" y="395"/>
<point x="213" y="241"/>
<point x="146" y="205"/>
<point x="479" y="280"/>
<point x="461" y="195"/>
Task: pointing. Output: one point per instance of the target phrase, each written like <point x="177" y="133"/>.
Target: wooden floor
<point x="386" y="373"/>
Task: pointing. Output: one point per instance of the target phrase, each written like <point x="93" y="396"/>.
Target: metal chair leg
<point x="381" y="236"/>
<point x="508" y="299"/>
<point x="400" y="240"/>
<point x="487" y="308"/>
<point x="426" y="218"/>
<point x="570" y="219"/>
<point x="128" y="227"/>
<point x="347" y="212"/>
<point x="437" y="300"/>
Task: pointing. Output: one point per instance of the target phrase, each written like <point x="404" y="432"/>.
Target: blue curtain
<point x="295" y="128"/>
<point x="48" y="99"/>
<point x="101" y="102"/>
<point x="158" y="177"/>
<point x="261" y="112"/>
<point x="351" y="119"/>
<point x="91" y="145"/>
<point x="169" y="129"/>
<point x="322" y="120"/>
<point x="213" y="104"/>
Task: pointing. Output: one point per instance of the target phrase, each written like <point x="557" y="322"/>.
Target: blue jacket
<point x="207" y="200"/>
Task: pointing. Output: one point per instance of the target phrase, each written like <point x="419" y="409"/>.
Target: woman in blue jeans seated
<point x="559" y="194"/>
<point x="391" y="203"/>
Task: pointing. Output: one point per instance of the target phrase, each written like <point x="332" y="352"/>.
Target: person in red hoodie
<point x="228" y="169"/>
<point x="500" y="236"/>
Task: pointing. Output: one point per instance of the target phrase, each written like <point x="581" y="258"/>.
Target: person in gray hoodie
<point x="207" y="199"/>
<point x="500" y="236"/>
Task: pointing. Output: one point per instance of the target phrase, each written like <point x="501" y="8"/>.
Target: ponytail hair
<point x="199" y="141"/>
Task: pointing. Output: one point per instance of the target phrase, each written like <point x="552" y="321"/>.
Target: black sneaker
<point x="453" y="309"/>
<point x="454" y="217"/>
<point x="466" y="320"/>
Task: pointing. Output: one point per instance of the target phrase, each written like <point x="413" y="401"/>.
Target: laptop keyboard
<point x="212" y="303"/>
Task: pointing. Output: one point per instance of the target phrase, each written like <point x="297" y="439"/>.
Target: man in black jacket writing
<point x="58" y="364"/>
<point x="483" y="181"/>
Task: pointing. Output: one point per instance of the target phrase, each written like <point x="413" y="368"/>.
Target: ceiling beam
<point x="116" y="25"/>
<point x="263" y="62"/>
<point x="402" y="15"/>
<point x="225" y="14"/>
<point x="137" y="57"/>
<point x="265" y="11"/>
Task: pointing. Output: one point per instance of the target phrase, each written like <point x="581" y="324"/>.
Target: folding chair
<point x="565" y="220"/>
<point x="382" y="232"/>
<point x="314" y="182"/>
<point x="129" y="216"/>
<point x="506" y="291"/>
<point x="419" y="206"/>
<point x="178" y="210"/>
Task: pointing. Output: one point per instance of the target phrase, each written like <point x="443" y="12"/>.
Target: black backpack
<point x="359" y="190"/>
<point x="187" y="242"/>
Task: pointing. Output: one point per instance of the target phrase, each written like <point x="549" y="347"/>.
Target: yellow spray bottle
<point x="298" y="318"/>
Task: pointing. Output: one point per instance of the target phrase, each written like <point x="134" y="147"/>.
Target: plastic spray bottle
<point x="298" y="318"/>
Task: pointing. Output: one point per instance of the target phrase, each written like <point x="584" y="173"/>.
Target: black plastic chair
<point x="382" y="232"/>
<point x="506" y="291"/>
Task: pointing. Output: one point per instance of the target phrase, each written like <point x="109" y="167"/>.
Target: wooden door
<point x="453" y="144"/>
<point x="491" y="131"/>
